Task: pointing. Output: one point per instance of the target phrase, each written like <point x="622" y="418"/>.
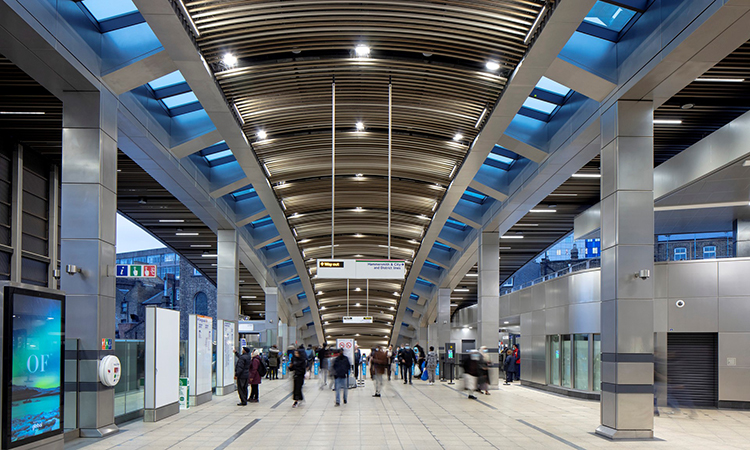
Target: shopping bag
<point x="470" y="382"/>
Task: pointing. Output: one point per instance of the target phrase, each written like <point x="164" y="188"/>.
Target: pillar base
<point x="98" y="432"/>
<point x="155" y="415"/>
<point x="196" y="400"/>
<point x="226" y="390"/>
<point x="611" y="433"/>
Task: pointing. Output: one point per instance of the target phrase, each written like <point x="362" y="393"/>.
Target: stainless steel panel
<point x="82" y="110"/>
<point x="635" y="325"/>
<point x="526" y="325"/>
<point x="81" y="156"/>
<point x="630" y="259"/>
<point x="609" y="222"/>
<point x="609" y="372"/>
<point x="661" y="281"/>
<point x="733" y="384"/>
<point x="734" y="313"/>
<point x="608" y="124"/>
<point x="538" y="372"/>
<point x="538" y="348"/>
<point x="635" y="217"/>
<point x="504" y="302"/>
<point x="539" y="323"/>
<point x="634" y="158"/>
<point x="609" y="409"/>
<point x="733" y="279"/>
<point x="609" y="326"/>
<point x="84" y="253"/>
<point x="735" y="346"/>
<point x="608" y="274"/>
<point x="635" y="118"/>
<point x="661" y="315"/>
<point x="608" y="170"/>
<point x="588" y="222"/>
<point x="693" y="279"/>
<point x="540" y="296"/>
<point x="584" y="318"/>
<point x="698" y="315"/>
<point x="584" y="287"/>
<point x="631" y="410"/>
<point x="635" y="373"/>
<point x="557" y="320"/>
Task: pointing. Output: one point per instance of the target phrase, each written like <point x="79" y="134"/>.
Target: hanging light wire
<point x="390" y="116"/>
<point x="333" y="165"/>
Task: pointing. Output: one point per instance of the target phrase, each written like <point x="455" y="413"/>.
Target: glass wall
<point x="566" y="359"/>
<point x="581" y="377"/>
<point x="130" y="392"/>
<point x="554" y="360"/>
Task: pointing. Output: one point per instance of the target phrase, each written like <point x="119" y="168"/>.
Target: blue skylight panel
<point x="218" y="155"/>
<point x="109" y="9"/>
<point x="167" y="80"/>
<point x="539" y="105"/>
<point x="609" y="16"/>
<point x="553" y="86"/>
<point x="500" y="158"/>
<point x="180" y="100"/>
<point x="243" y="192"/>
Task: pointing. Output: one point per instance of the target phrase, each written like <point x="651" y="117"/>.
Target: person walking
<point x="323" y="359"/>
<point x="517" y="356"/>
<point x="421" y="355"/>
<point x="431" y="364"/>
<point x="389" y="354"/>
<point x="254" y="375"/>
<point x="406" y="359"/>
<point x="483" y="382"/>
<point x="298" y="368"/>
<point x="273" y="363"/>
<point x="509" y="365"/>
<point x="341" y="368"/>
<point x="470" y="365"/>
<point x="379" y="361"/>
<point x="241" y="373"/>
<point x="357" y="361"/>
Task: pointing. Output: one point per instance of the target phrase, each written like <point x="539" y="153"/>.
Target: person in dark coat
<point x="298" y="368"/>
<point x="241" y="372"/>
<point x="254" y="375"/>
<point x="406" y="358"/>
<point x="357" y="360"/>
<point x="274" y="359"/>
<point x="341" y="368"/>
<point x="509" y="365"/>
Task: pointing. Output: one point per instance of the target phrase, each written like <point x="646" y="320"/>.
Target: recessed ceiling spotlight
<point x="296" y="51"/>
<point x="262" y="135"/>
<point x="492" y="65"/>
<point x="395" y="293"/>
<point x="357" y="304"/>
<point x="229" y="60"/>
<point x="358" y="175"/>
<point x="362" y="51"/>
<point x="320" y="292"/>
<point x="506" y="322"/>
<point x="426" y="55"/>
<point x="688" y="106"/>
<point x="746" y="163"/>
<point x="357" y="289"/>
<point x="360" y="126"/>
<point x="458" y="137"/>
<point x="358" y="209"/>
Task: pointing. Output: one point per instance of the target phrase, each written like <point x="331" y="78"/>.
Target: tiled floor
<point x="414" y="417"/>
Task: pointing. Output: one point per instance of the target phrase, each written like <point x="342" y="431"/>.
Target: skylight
<point x="109" y="9"/>
<point x="553" y="86"/>
<point x="180" y="100"/>
<point x="539" y="105"/>
<point x="167" y="80"/>
<point x="609" y="16"/>
<point x="500" y="158"/>
<point x="218" y="155"/>
<point x="474" y="196"/>
<point x="245" y="192"/>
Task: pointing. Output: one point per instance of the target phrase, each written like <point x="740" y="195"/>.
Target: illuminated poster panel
<point x="33" y="340"/>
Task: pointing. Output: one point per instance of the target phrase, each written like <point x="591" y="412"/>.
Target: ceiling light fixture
<point x="526" y="225"/>
<point x="667" y="122"/>
<point x="461" y="290"/>
<point x="512" y="236"/>
<point x="358" y="235"/>
<point x="358" y="209"/>
<point x="358" y="175"/>
<point x="454" y="304"/>
<point x="360" y="126"/>
<point x="357" y="304"/>
<point x="503" y="248"/>
<point x="721" y="80"/>
<point x="395" y="293"/>
<point x="688" y="106"/>
<point x="543" y="210"/>
<point x="472" y="274"/>
<point x="458" y="137"/>
<point x="506" y="322"/>
<point x="320" y="292"/>
<point x="229" y="60"/>
<point x="185" y="234"/>
<point x="209" y="255"/>
<point x="533" y="27"/>
<point x="200" y="246"/>
<point x="249" y="296"/>
<point x="492" y="66"/>
<point x="262" y="135"/>
<point x="362" y="51"/>
<point x="22" y="113"/>
<point x="357" y="289"/>
<point x="746" y="163"/>
<point x="586" y="175"/>
<point x="171" y="220"/>
<point x="481" y="116"/>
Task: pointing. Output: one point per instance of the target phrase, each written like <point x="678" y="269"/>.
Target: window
<point x="201" y="304"/>
<point x="124" y="308"/>
<point x="169" y="257"/>
<point x="680" y="254"/>
<point x="581" y="342"/>
<point x="609" y="16"/>
<point x="554" y="360"/>
<point x="709" y="252"/>
<point x="597" y="362"/>
<point x="196" y="273"/>
<point x="508" y="283"/>
<point x="566" y="360"/>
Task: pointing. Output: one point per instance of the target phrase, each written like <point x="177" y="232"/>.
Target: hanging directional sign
<point x="372" y="269"/>
<point x="135" y="271"/>
<point x="357" y="319"/>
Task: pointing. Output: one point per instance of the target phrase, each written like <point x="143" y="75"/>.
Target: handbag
<point x="307" y="375"/>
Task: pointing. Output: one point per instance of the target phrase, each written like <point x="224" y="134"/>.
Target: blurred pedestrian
<point x="341" y="368"/>
<point x="483" y="381"/>
<point x="379" y="361"/>
<point x="298" y="368"/>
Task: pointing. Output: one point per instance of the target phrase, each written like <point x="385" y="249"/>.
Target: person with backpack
<point x="341" y="368"/>
<point x="432" y="362"/>
<point x="241" y="374"/>
<point x="255" y="374"/>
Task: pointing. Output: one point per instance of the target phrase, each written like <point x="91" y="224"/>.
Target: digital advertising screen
<point x="33" y="349"/>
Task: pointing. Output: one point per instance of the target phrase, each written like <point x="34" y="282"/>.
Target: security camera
<point x="643" y="274"/>
<point x="680" y="303"/>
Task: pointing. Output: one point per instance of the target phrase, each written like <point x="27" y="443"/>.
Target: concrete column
<point x="227" y="276"/>
<point x="272" y="315"/>
<point x="291" y="330"/>
<point x="627" y="240"/>
<point x="432" y="336"/>
<point x="443" y="319"/>
<point x="422" y="337"/>
<point x="488" y="298"/>
<point x="741" y="238"/>
<point x="89" y="205"/>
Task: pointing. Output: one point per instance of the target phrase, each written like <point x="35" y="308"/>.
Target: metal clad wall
<point x="692" y="372"/>
<point x="5" y="194"/>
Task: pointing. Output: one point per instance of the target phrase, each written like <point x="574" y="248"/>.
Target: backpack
<point x="262" y="369"/>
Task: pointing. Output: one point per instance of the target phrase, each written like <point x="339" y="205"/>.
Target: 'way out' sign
<point x="371" y="269"/>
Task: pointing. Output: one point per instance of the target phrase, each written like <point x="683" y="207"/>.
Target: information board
<point x="357" y="319"/>
<point x="348" y="346"/>
<point x="33" y="365"/>
<point x="200" y="343"/>
<point x="228" y="353"/>
<point x="342" y="269"/>
<point x="135" y="271"/>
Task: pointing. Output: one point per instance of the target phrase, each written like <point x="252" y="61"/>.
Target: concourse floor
<point x="413" y="417"/>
